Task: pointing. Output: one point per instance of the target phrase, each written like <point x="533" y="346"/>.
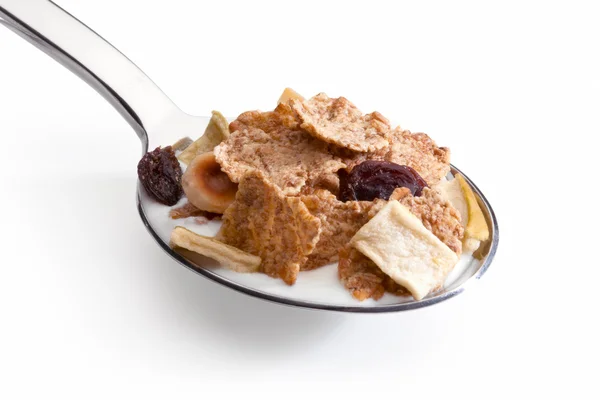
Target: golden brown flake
<point x="274" y="122"/>
<point x="437" y="215"/>
<point x="339" y="222"/>
<point x="363" y="278"/>
<point x="338" y="121"/>
<point x="273" y="144"/>
<point x="189" y="210"/>
<point x="264" y="222"/>
<point x="417" y="150"/>
<point x="329" y="182"/>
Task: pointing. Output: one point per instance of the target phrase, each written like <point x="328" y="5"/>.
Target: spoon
<point x="153" y="116"/>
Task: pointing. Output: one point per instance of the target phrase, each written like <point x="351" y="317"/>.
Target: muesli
<point x="315" y="182"/>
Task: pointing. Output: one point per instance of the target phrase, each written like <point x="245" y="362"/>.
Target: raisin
<point x="160" y="174"/>
<point x="377" y="180"/>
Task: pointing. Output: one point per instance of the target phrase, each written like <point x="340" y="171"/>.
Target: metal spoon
<point x="154" y="116"/>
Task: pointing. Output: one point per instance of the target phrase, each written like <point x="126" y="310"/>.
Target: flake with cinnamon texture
<point x="189" y="210"/>
<point x="363" y="278"/>
<point x="272" y="144"/>
<point x="417" y="150"/>
<point x="264" y="222"/>
<point x="436" y="214"/>
<point x="338" y="121"/>
<point x="339" y="222"/>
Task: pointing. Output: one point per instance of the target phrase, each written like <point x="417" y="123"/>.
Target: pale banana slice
<point x="228" y="256"/>
<point x="476" y="226"/>
<point x="289" y="94"/>
<point x="206" y="186"/>
<point x="461" y="196"/>
<point x="216" y="131"/>
<point x="470" y="245"/>
<point x="182" y="144"/>
<point x="452" y="192"/>
<point x="398" y="242"/>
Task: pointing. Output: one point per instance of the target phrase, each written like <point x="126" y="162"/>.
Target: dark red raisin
<point x="160" y="174"/>
<point x="372" y="180"/>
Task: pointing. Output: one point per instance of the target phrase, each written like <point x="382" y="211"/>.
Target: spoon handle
<point x="86" y="54"/>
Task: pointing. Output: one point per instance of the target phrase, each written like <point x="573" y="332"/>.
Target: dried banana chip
<point x="228" y="256"/>
<point x="461" y="196"/>
<point x="289" y="94"/>
<point x="216" y="131"/>
<point x="182" y="144"/>
<point x="476" y="226"/>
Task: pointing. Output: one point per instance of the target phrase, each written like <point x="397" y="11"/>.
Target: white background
<point x="90" y="307"/>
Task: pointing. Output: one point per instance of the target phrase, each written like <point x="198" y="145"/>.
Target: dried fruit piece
<point x="461" y="196"/>
<point x="338" y="121"/>
<point x="182" y="144"/>
<point x="228" y="256"/>
<point x="470" y="245"/>
<point x="477" y="226"/>
<point x="289" y="94"/>
<point x="377" y="180"/>
<point x="453" y="193"/>
<point x="160" y="174"/>
<point x="216" y="131"/>
<point x="398" y="242"/>
<point x="206" y="186"/>
<point x="265" y="222"/>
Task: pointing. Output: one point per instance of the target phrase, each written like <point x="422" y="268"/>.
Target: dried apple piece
<point x="398" y="242"/>
<point x="182" y="144"/>
<point x="216" y="131"/>
<point x="228" y="256"/>
<point x="289" y="94"/>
